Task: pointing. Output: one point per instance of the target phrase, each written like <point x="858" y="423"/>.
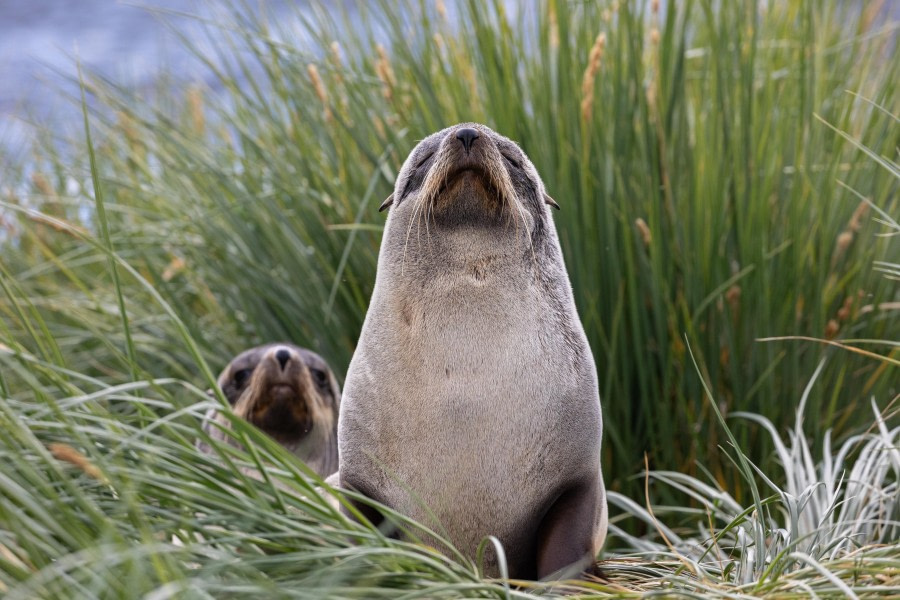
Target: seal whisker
<point x="416" y="208"/>
<point x="507" y="194"/>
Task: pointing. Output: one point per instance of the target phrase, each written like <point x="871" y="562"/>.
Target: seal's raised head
<point x="469" y="175"/>
<point x="290" y="393"/>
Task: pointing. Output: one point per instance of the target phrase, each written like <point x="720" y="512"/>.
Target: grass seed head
<point x="644" y="230"/>
<point x="175" y="266"/>
<point x="856" y="220"/>
<point x="871" y="13"/>
<point x="843" y="242"/>
<point x="844" y="312"/>
<point x="67" y="453"/>
<point x="553" y="26"/>
<point x="336" y="54"/>
<point x="385" y="73"/>
<point x="733" y="296"/>
<point x="590" y="73"/>
<point x="42" y="184"/>
<point x="195" y="108"/>
<point x="319" y="88"/>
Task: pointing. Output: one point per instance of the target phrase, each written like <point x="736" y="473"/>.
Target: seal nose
<point x="283" y="357"/>
<point x="467" y="136"/>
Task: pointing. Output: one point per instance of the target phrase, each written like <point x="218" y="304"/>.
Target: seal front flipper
<point x="368" y="512"/>
<point x="567" y="539"/>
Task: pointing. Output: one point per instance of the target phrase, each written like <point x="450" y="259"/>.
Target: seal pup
<point x="471" y="402"/>
<point x="290" y="393"/>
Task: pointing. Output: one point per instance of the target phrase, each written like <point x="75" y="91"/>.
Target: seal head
<point x="460" y="177"/>
<point x="288" y="392"/>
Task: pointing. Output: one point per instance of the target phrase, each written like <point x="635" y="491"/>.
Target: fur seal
<point x="471" y="402"/>
<point x="290" y="393"/>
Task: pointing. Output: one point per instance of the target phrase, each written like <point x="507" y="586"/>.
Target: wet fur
<point x="471" y="402"/>
<point x="302" y="416"/>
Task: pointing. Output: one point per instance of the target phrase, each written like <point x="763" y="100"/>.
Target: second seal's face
<point x="468" y="175"/>
<point x="283" y="389"/>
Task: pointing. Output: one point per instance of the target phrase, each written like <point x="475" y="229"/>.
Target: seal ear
<point x="550" y="201"/>
<point x="387" y="202"/>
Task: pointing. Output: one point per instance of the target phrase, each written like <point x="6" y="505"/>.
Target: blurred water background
<point x="131" y="43"/>
<point x="128" y="43"/>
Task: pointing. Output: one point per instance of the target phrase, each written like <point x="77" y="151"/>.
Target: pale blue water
<point x="40" y="39"/>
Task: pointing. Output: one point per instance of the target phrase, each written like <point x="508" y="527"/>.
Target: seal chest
<point x="471" y="402"/>
<point x="290" y="393"/>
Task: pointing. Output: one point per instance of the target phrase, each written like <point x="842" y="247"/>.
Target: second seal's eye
<point x="320" y="377"/>
<point x="241" y="377"/>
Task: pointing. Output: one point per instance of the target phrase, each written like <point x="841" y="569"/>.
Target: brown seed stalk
<point x="587" y="83"/>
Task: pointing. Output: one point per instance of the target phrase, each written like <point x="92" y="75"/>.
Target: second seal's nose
<point x="467" y="136"/>
<point x="283" y="357"/>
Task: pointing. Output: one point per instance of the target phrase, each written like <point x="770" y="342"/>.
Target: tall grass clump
<point x="728" y="177"/>
<point x="95" y="502"/>
<point x="829" y="527"/>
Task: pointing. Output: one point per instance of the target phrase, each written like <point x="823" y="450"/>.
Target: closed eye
<point x="425" y="159"/>
<point x="405" y="188"/>
<point x="511" y="160"/>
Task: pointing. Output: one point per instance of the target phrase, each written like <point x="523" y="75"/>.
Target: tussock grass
<point x="825" y="516"/>
<point x="727" y="173"/>
<point x="97" y="501"/>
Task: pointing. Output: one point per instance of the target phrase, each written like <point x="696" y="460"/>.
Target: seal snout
<point x="283" y="356"/>
<point x="470" y="156"/>
<point x="463" y="177"/>
<point x="282" y="395"/>
<point x="282" y="366"/>
<point x="467" y="136"/>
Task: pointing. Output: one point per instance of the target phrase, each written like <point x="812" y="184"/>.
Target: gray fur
<point x="473" y="391"/>
<point x="314" y="393"/>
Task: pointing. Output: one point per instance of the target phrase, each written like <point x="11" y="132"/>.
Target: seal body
<point x="290" y="393"/>
<point x="471" y="402"/>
